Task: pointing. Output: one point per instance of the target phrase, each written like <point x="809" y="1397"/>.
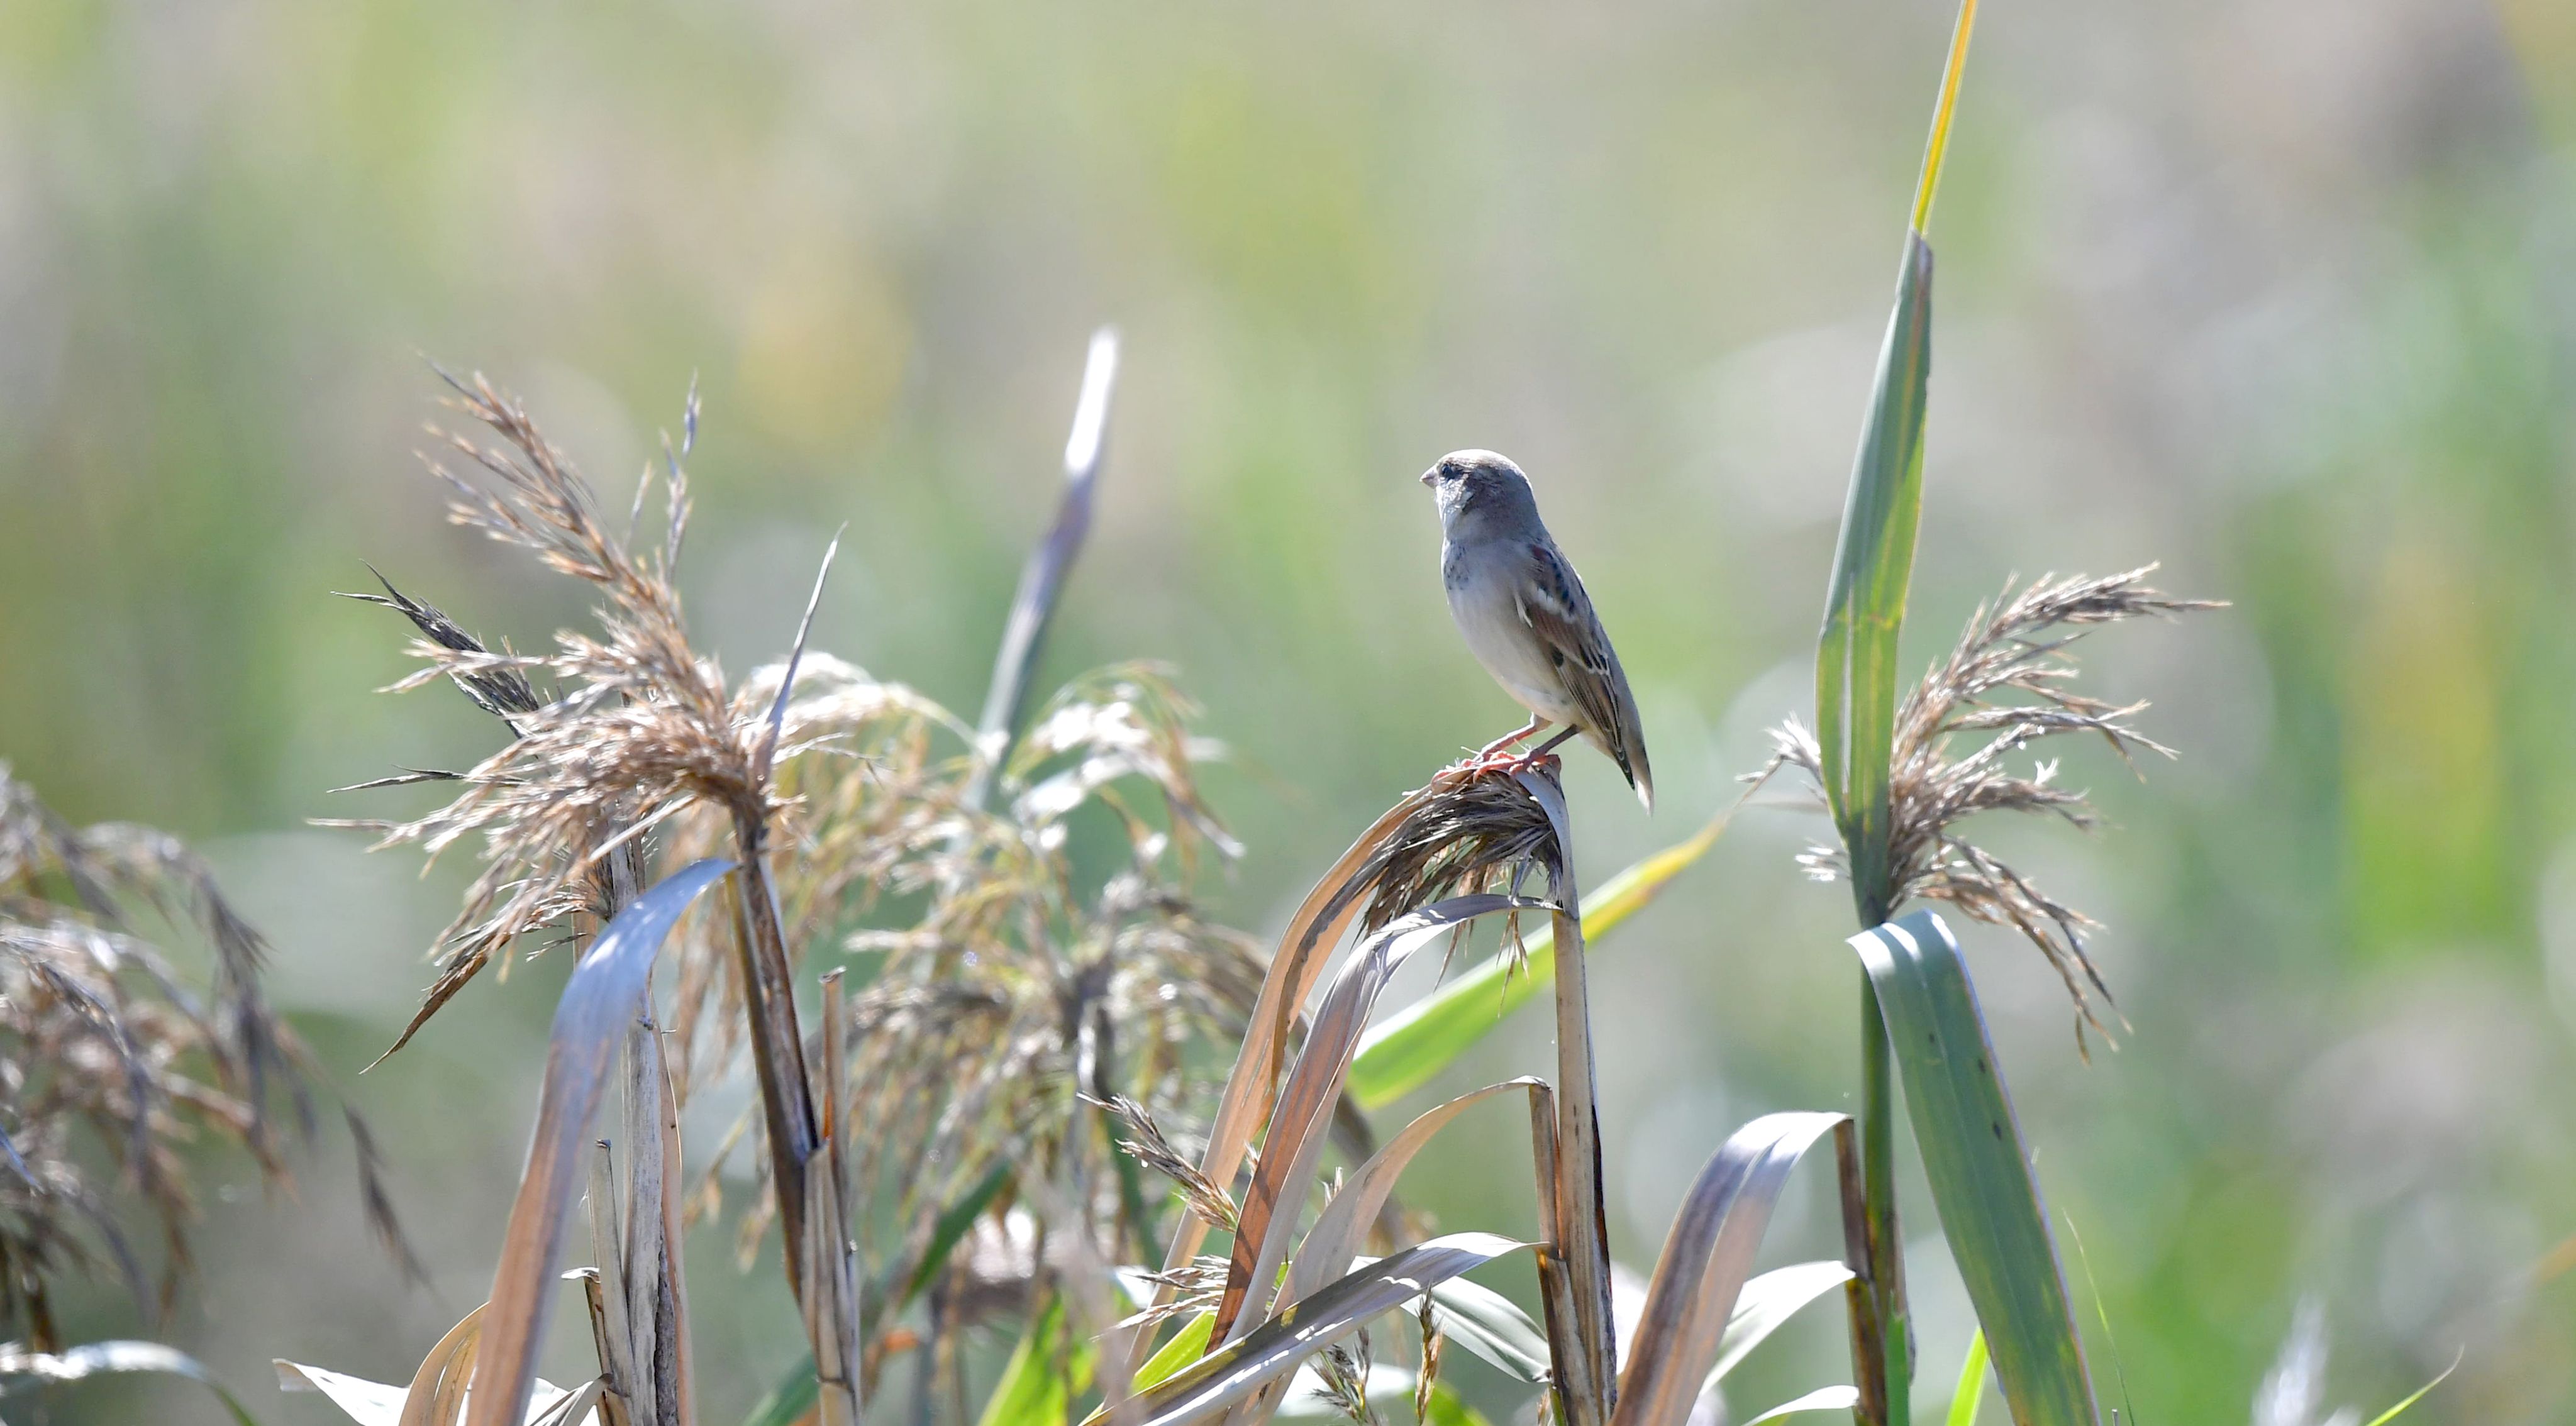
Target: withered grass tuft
<point x="1007" y="987"/>
<point x="114" y="1063"/>
<point x="1955" y="735"/>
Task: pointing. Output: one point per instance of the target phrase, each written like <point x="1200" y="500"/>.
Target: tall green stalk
<point x="1856" y="691"/>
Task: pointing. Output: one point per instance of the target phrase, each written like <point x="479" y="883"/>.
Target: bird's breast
<point x="1481" y="584"/>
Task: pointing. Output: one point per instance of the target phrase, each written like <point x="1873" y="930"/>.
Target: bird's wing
<point x="1556" y="608"/>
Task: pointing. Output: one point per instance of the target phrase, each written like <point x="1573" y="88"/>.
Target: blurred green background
<point x="2276" y="291"/>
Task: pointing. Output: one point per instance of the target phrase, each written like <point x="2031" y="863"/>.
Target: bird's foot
<point x="1508" y="764"/>
<point x="1509" y="740"/>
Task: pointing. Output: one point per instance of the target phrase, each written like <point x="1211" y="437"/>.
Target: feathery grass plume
<point x="1428" y="1348"/>
<point x="1344" y="1373"/>
<point x="2016" y="645"/>
<point x="1010" y="986"/>
<point x="111" y="1064"/>
<point x="505" y="693"/>
<point x="641" y="727"/>
<point x="1152" y="1148"/>
<point x="1011" y="989"/>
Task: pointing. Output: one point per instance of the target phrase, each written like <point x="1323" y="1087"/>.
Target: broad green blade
<point x="1972" y="1384"/>
<point x="1187" y="1346"/>
<point x="1401" y="1055"/>
<point x="1980" y="1173"/>
<point x="1856" y="679"/>
<point x="1046" y="1372"/>
<point x="112" y="1358"/>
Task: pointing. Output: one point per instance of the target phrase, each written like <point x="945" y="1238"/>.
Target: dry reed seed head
<point x="2017" y="648"/>
<point x="108" y="1053"/>
<point x="502" y="690"/>
<point x="1344" y="1373"/>
<point x="1196" y="1286"/>
<point x="641" y="729"/>
<point x="1431" y="1341"/>
<point x="1127" y="722"/>
<point x="1146" y="1140"/>
<point x="1012" y="988"/>
<point x="1468" y="830"/>
<point x="970" y="1046"/>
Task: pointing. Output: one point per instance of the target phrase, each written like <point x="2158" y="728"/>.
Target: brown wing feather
<point x="1559" y="611"/>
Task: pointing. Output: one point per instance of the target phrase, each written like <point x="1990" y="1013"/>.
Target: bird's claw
<point x="1509" y="764"/>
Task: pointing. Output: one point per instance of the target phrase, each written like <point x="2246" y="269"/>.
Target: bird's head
<point x="1479" y="487"/>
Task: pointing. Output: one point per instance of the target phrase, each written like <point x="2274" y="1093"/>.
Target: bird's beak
<point x="1431" y="475"/>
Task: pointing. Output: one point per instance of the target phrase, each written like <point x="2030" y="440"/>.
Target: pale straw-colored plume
<point x="114" y="1059"/>
<point x="2003" y="687"/>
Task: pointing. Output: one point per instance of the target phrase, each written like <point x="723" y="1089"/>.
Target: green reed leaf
<point x="1989" y="1201"/>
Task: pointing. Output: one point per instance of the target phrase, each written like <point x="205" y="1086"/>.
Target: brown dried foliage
<point x="2002" y="688"/>
<point x="113" y="1067"/>
<point x="640" y="725"/>
<point x="1009" y="985"/>
<point x="1009" y="990"/>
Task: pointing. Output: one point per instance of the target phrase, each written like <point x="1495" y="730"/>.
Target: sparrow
<point x="1526" y="616"/>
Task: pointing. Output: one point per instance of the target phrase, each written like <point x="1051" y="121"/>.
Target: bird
<point x="1526" y="617"/>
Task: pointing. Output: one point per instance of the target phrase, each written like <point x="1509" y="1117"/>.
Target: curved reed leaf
<point x="376" y="1403"/>
<point x="1339" y="1230"/>
<point x="1856" y="677"/>
<point x="437" y="1393"/>
<point x="603" y="996"/>
<point x="1042" y="578"/>
<point x="113" y="1358"/>
<point x="1250" y="1087"/>
<point x="1404" y="1051"/>
<point x="1766" y="1303"/>
<point x="1243" y="1366"/>
<point x="1302" y="1121"/>
<point x="1823" y="1398"/>
<point x="2392" y="1413"/>
<point x="1980" y="1173"/>
<point x="1334" y="1241"/>
<point x="1706" y="1259"/>
<point x="369" y="1403"/>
